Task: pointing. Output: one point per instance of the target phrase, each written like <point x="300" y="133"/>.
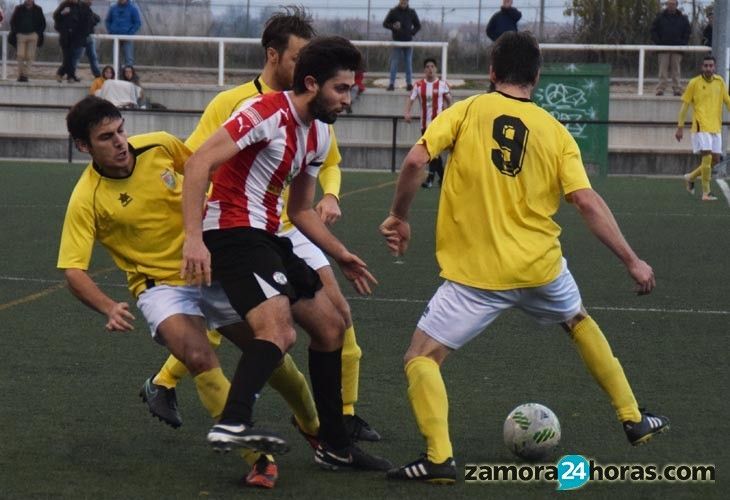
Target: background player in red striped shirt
<point x="434" y="96"/>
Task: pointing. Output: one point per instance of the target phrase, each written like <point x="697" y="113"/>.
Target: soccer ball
<point x="532" y="431"/>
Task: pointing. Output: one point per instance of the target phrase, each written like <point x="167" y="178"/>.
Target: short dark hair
<point x="293" y="20"/>
<point x="710" y="57"/>
<point x="428" y="60"/>
<point x="86" y="114"/>
<point x="516" y="58"/>
<point x="322" y="58"/>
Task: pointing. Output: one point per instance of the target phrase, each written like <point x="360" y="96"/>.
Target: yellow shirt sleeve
<point x="572" y="172"/>
<point x="179" y="152"/>
<point x="78" y="234"/>
<point x="330" y="176"/>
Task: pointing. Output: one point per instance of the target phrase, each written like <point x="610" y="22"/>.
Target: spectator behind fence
<point x="504" y="20"/>
<point x="670" y="27"/>
<point x="89" y="45"/>
<point x="2" y="15"/>
<point x="27" y="25"/>
<point x="403" y="22"/>
<point x="129" y="74"/>
<point x="71" y="23"/>
<point x="107" y="73"/>
<point x="123" y="19"/>
<point x="707" y="31"/>
<point x="356" y="89"/>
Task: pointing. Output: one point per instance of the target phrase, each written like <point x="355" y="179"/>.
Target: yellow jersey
<point x="510" y="161"/>
<point x="222" y="107"/>
<point x="706" y="98"/>
<point x="138" y="219"/>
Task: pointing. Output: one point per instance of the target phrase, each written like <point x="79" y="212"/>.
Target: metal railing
<point x="222" y="42"/>
<point x="444" y="46"/>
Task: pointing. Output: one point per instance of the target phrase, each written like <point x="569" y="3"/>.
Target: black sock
<point x="258" y="361"/>
<point x="325" y="372"/>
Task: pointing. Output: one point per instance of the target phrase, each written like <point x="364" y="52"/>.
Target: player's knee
<point x="570" y="324"/>
<point x="199" y="360"/>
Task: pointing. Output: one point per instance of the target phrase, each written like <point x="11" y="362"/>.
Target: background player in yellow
<point x="284" y="35"/>
<point x="129" y="200"/>
<point x="497" y="244"/>
<point x="706" y="93"/>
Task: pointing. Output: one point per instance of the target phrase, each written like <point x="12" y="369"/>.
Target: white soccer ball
<point x="532" y="431"/>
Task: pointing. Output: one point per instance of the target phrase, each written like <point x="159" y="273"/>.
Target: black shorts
<point x="253" y="265"/>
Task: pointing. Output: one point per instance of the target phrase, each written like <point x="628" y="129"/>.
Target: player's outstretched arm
<point x="601" y="222"/>
<point x="395" y="228"/>
<point x="304" y="217"/>
<point x="84" y="289"/>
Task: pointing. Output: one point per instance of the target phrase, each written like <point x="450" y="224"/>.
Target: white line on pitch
<point x="725" y="189"/>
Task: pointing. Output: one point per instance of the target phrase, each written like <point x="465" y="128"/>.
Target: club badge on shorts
<point x="280" y="278"/>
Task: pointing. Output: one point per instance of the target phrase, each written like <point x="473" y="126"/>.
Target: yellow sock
<point x="706" y="168"/>
<point x="288" y="381"/>
<point x="174" y="370"/>
<point x="250" y="456"/>
<point x="427" y="393"/>
<point x="171" y="372"/>
<point x="696" y="172"/>
<point x="605" y="368"/>
<point x="351" y="354"/>
<point x="213" y="389"/>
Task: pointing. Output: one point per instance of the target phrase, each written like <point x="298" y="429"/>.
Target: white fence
<point x="222" y="43"/>
<point x="444" y="46"/>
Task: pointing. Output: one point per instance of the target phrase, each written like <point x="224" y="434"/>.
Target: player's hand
<point x="643" y="275"/>
<point x="397" y="234"/>
<point x="357" y="272"/>
<point x="118" y="318"/>
<point x="328" y="209"/>
<point x="407" y="117"/>
<point x="195" y="268"/>
<point x="679" y="134"/>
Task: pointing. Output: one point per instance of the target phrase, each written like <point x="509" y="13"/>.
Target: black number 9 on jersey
<point x="511" y="136"/>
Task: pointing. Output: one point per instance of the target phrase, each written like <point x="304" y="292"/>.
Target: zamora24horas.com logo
<point x="575" y="471"/>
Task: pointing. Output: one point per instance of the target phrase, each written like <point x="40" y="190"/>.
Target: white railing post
<point x="115" y="58"/>
<point x="5" y="56"/>
<point x="445" y="61"/>
<point x="642" y="54"/>
<point x="727" y="64"/>
<point x="221" y="62"/>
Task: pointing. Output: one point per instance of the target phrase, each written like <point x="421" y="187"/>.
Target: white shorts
<point x="705" y="141"/>
<point x="305" y="249"/>
<point x="162" y="301"/>
<point x="458" y="313"/>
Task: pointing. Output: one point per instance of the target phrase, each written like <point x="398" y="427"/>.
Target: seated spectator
<point x="121" y="93"/>
<point x="107" y="73"/>
<point x="129" y="74"/>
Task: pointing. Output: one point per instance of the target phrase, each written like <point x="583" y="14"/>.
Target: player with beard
<point x="277" y="140"/>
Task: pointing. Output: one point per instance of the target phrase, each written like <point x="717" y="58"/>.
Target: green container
<point x="579" y="93"/>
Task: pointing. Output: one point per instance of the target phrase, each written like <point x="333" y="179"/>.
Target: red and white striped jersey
<point x="276" y="146"/>
<point x="431" y="97"/>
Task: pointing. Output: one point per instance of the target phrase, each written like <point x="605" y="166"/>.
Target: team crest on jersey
<point x="280" y="278"/>
<point x="169" y="179"/>
<point x="125" y="199"/>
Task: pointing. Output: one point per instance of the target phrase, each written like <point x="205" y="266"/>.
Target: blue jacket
<point x="123" y="19"/>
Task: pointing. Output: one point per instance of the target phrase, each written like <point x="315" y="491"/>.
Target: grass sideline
<point x="73" y="427"/>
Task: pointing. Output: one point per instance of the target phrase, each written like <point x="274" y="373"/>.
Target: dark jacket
<point x="503" y="21"/>
<point x="91" y="17"/>
<point x="72" y="26"/>
<point x="27" y="21"/>
<point x="409" y="23"/>
<point x="707" y="35"/>
<point x="670" y="29"/>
